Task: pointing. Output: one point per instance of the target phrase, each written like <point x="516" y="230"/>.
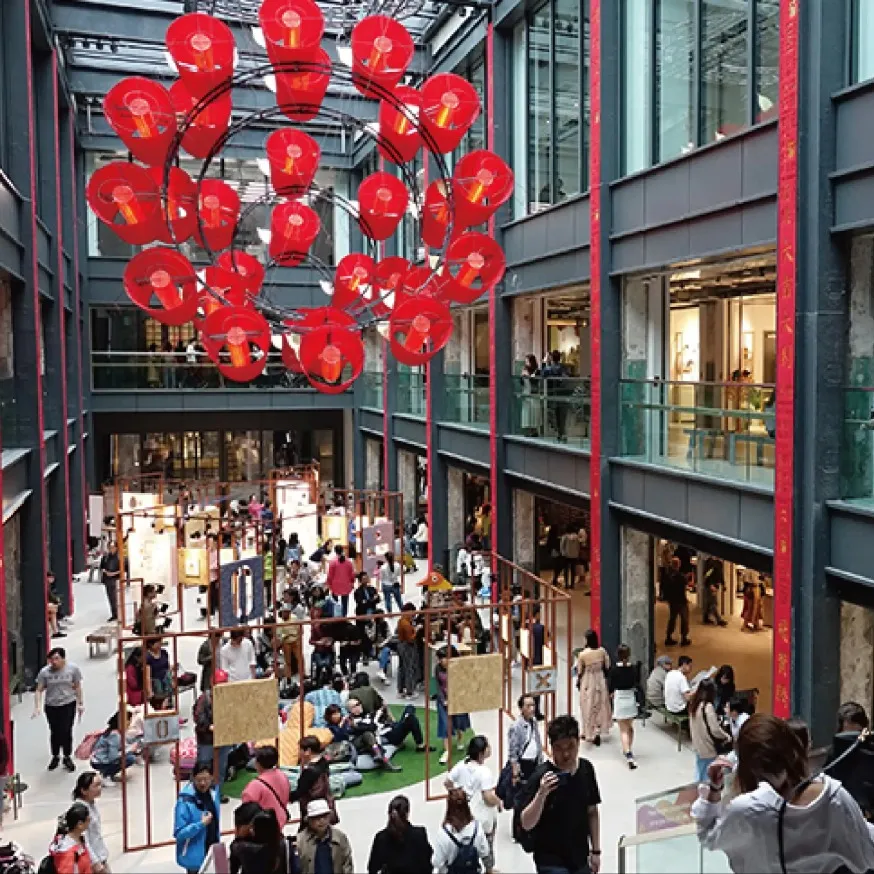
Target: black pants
<point x="111" y="586"/>
<point x="675" y="611"/>
<point x="407" y="724"/>
<point x="60" y="721"/>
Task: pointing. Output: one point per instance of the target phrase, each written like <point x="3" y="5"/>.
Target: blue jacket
<point x="189" y="831"/>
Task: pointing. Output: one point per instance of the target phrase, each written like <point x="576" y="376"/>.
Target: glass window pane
<point x="768" y="58"/>
<point x="567" y="99"/>
<point x="520" y="108"/>
<point x="675" y="80"/>
<point x="863" y="31"/>
<point x="724" y="77"/>
<point x="539" y="139"/>
<point x="636" y="86"/>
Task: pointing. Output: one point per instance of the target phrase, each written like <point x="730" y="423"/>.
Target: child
<point x="737" y="715"/>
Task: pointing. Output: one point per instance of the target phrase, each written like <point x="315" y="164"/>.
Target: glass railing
<point x="371" y="390"/>
<point x="411" y="393"/>
<point x="719" y="429"/>
<point x="558" y="410"/>
<point x="677" y="850"/>
<point x="466" y="399"/>
<point x="857" y="456"/>
<point x="157" y="371"/>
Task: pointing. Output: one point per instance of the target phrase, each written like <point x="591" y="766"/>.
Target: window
<point x="863" y="40"/>
<point x="7" y="355"/>
<point x="694" y="72"/>
<point x="474" y="71"/>
<point x="551" y="98"/>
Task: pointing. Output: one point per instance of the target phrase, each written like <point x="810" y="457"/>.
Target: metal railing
<point x="558" y="410"/>
<point x="466" y="399"/>
<point x="175" y="371"/>
<point x="411" y="393"/>
<point x="720" y="429"/>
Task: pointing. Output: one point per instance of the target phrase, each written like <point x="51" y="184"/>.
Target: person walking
<point x="526" y="746"/>
<point x="322" y="847"/>
<point x="623" y="682"/>
<point x="69" y="849"/>
<point x="554" y="375"/>
<point x="408" y="654"/>
<point x="479" y="783"/>
<point x="570" y="554"/>
<point x="592" y="666"/>
<point x="196" y="820"/>
<point x="558" y="806"/>
<point x="89" y="787"/>
<point x="341" y="578"/>
<point x="270" y="789"/>
<point x="59" y="692"/>
<point x="678" y="607"/>
<point x="237" y="657"/>
<point x="709" y="739"/>
<point x="110" y="569"/>
<point x="460" y="842"/>
<point x="400" y="848"/>
<point x="390" y="580"/>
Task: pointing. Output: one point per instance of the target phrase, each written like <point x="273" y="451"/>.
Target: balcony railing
<point x="558" y="410"/>
<point x="719" y="429"/>
<point x="411" y="393"/>
<point x="371" y="394"/>
<point x="466" y="400"/>
<point x="170" y="371"/>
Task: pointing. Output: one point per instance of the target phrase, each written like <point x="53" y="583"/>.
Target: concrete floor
<point x="661" y="767"/>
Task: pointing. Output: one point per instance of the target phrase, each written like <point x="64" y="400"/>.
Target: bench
<point x="681" y="720"/>
<point x="104" y="636"/>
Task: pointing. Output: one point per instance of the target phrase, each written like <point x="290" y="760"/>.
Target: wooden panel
<point x="245" y="710"/>
<point x="475" y="683"/>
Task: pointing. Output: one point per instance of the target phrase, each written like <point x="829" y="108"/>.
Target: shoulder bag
<point x="722" y="747"/>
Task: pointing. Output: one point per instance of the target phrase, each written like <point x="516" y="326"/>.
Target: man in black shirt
<point x="558" y="806"/>
<point x="678" y="607"/>
<point x="110" y="567"/>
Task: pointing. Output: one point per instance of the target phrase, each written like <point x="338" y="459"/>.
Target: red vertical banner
<point x="787" y="244"/>
<point x="494" y="473"/>
<point x="62" y="317"/>
<point x="595" y="295"/>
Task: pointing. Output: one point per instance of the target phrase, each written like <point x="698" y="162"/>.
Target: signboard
<point x="542" y="680"/>
<point x="161" y="728"/>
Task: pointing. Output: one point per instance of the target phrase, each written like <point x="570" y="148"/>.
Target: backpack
<point x="84" y="750"/>
<point x="47" y="866"/>
<point x="466" y="859"/>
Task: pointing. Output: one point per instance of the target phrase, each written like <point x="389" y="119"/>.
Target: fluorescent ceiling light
<point x="258" y="36"/>
<point x="270" y="82"/>
<point x="344" y="55"/>
<point x="263" y="166"/>
<point x="372" y="128"/>
<point x="326" y="287"/>
<point x="264" y="235"/>
<point x="170" y="62"/>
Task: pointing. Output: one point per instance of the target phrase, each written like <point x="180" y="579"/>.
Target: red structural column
<point x="62" y="312"/>
<point x="595" y="296"/>
<point x="494" y="472"/>
<point x="6" y="706"/>
<point x="34" y="279"/>
<point x="77" y="298"/>
<point x="787" y="244"/>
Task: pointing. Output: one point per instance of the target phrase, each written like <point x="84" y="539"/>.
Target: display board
<point x="244" y="710"/>
<point x="475" y="683"/>
<point x="193" y="566"/>
<point x="241" y="590"/>
<point x="335" y="527"/>
<point x="152" y="556"/>
<point x="376" y="540"/>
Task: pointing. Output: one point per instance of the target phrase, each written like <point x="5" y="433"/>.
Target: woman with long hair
<point x="408" y="654"/>
<point x="708" y="736"/>
<point x="134" y="679"/>
<point x="778" y="820"/>
<point x="623" y="682"/>
<point x="390" y="580"/>
<point x="725" y="689"/>
<point x="262" y="850"/>
<point x="89" y="787"/>
<point x="459" y="829"/>
<point x="69" y="849"/>
<point x="400" y="848"/>
<point x="106" y="754"/>
<point x="592" y="665"/>
<point x="479" y="783"/>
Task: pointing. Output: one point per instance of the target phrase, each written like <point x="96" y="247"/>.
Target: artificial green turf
<point x="406" y="757"/>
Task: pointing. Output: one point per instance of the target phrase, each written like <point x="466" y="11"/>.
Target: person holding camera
<point x="560" y="799"/>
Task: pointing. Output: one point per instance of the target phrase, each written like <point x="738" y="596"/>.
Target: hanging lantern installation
<point x="167" y="275"/>
<point x="418" y="329"/>
<point x="237" y="339"/>
<point x="294" y="158"/>
<point x="126" y="198"/>
<point x="475" y="264"/>
<point x="292" y="29"/>
<point x="481" y="183"/>
<point x="293" y="229"/>
<point x="218" y="208"/>
<point x="382" y="49"/>
<point x="382" y="202"/>
<point x="301" y="88"/>
<point x="450" y="106"/>
<point x="207" y="126"/>
<point x="324" y="354"/>
<point x="400" y="137"/>
<point x="203" y="50"/>
<point x="141" y="113"/>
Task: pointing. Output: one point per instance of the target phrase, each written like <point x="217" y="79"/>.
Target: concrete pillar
<point x="407" y="482"/>
<point x="524" y="545"/>
<point x="637" y="594"/>
<point x="857" y="468"/>
<point x="372" y="463"/>
<point x="524" y="336"/>
<point x="857" y="655"/>
<point x="455" y="487"/>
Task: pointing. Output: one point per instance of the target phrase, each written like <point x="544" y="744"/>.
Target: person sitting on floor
<point x="364" y="733"/>
<point x="106" y="754"/>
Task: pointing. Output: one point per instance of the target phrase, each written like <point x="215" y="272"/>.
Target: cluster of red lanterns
<point x="153" y="202"/>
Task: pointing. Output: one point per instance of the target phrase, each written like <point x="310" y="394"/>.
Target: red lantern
<point x="247" y="266"/>
<point x="301" y="90"/>
<point x="382" y="201"/>
<point x="292" y="29"/>
<point x="317" y="317"/>
<point x="423" y="282"/>
<point x="125" y="197"/>
<point x="475" y="264"/>
<point x="229" y="335"/>
<point x="450" y="106"/>
<point x="382" y="49"/>
<point x="293" y="228"/>
<point x="178" y="206"/>
<point x="221" y="289"/>
<point x="203" y="49"/>
<point x="294" y="158"/>
<point x="208" y="126"/>
<point x="141" y="113"/>
<point x="399" y="137"/>
<point x="480" y="184"/>
<point x="388" y="280"/>
<point x="353" y="282"/>
<point x="219" y="210"/>
<point x="435" y="215"/>
<point x="167" y="275"/>
<point x="418" y="329"/>
<point x="325" y="352"/>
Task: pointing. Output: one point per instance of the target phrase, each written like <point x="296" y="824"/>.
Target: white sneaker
<point x="444" y="758"/>
<point x="381" y="675"/>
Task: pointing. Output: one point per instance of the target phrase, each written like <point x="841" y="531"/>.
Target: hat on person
<point x="317" y="807"/>
<point x="664" y="661"/>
